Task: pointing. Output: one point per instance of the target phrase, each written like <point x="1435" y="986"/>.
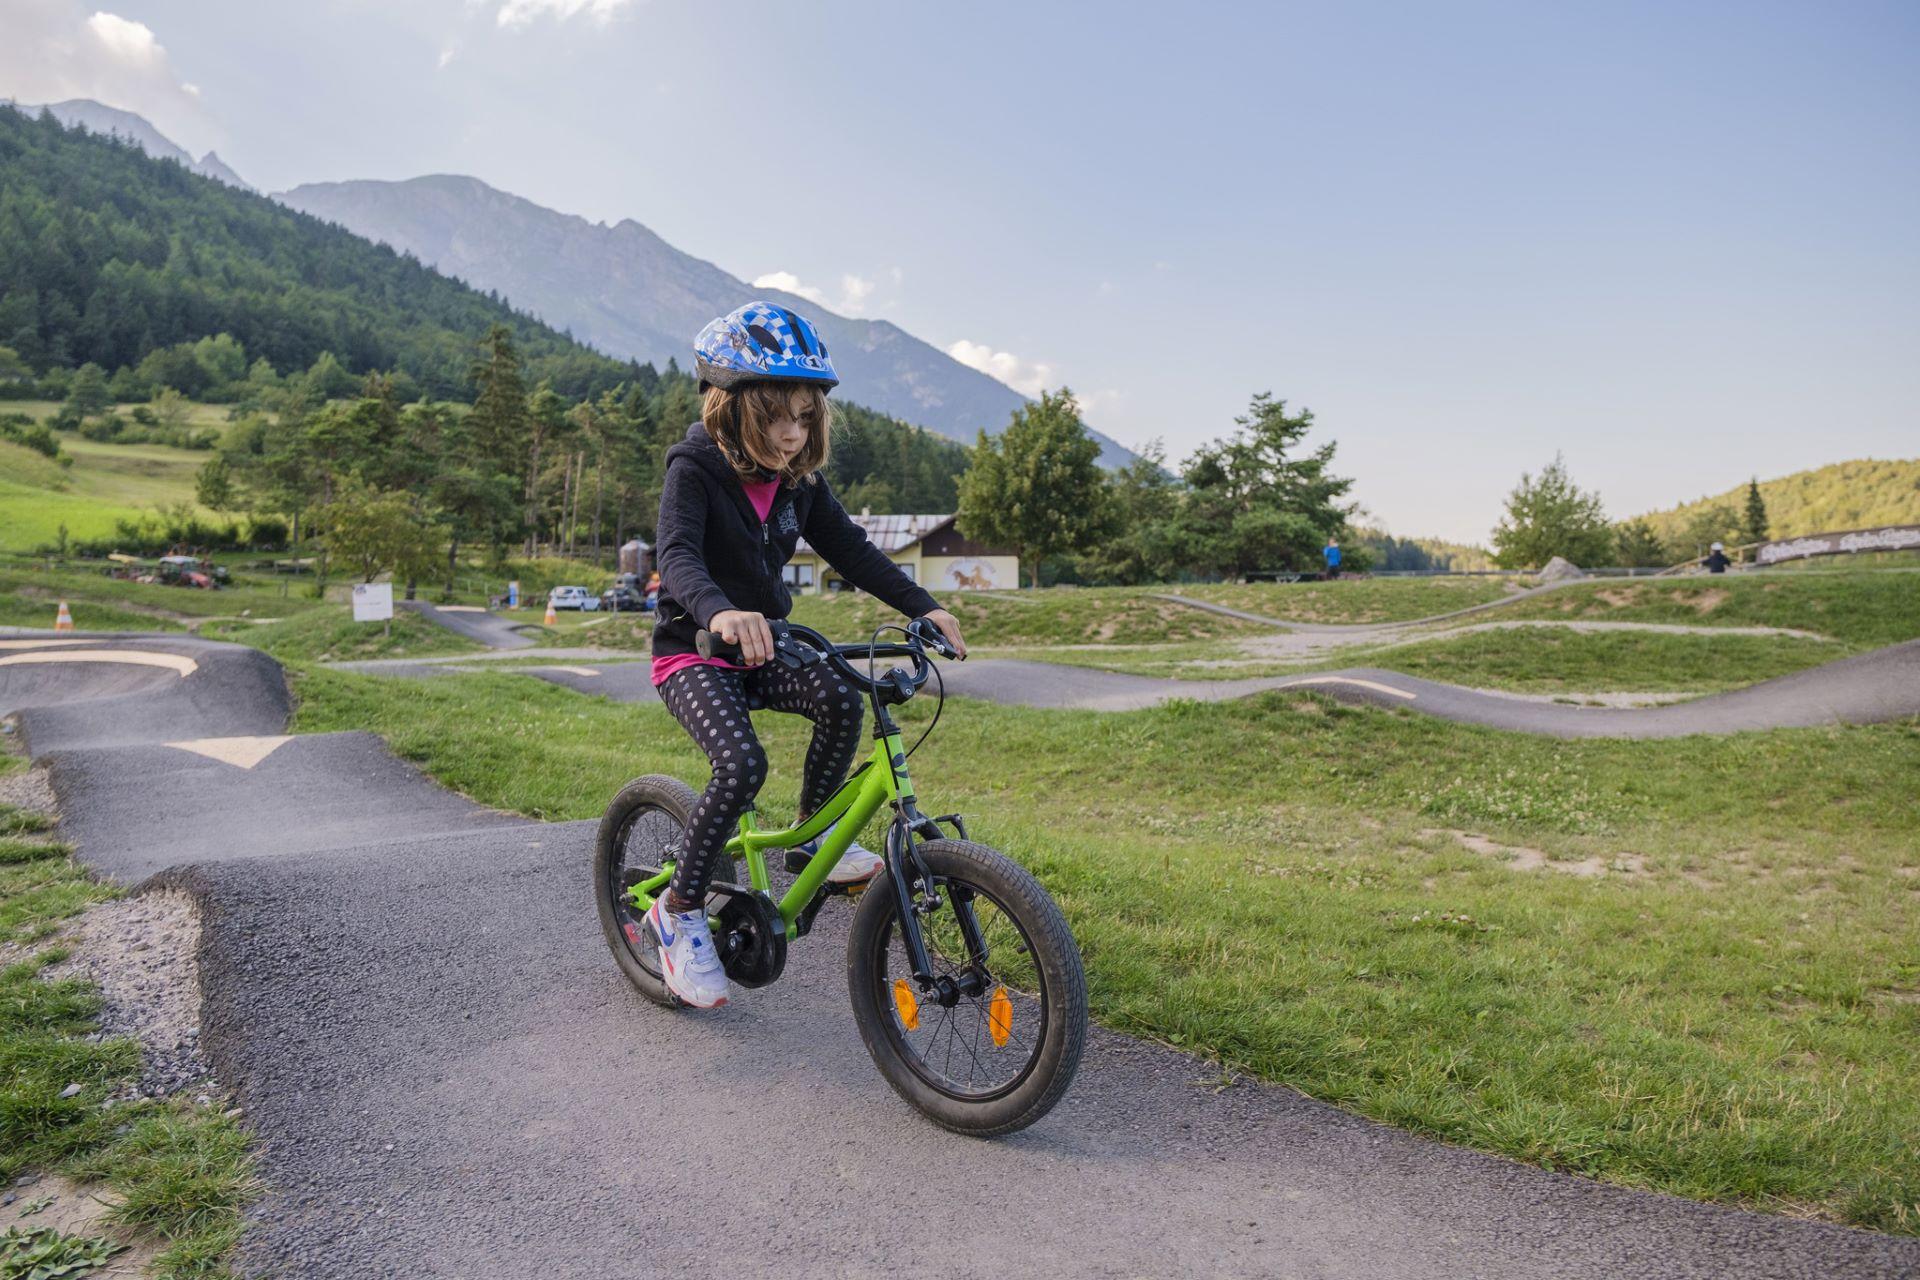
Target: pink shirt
<point x="760" y="494"/>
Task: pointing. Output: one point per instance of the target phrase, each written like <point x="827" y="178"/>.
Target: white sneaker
<point x="857" y="865"/>
<point x="687" y="960"/>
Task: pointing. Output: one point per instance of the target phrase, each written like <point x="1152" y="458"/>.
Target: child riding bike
<point x="740" y="491"/>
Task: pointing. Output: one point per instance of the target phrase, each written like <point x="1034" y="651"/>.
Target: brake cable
<point x="873" y="682"/>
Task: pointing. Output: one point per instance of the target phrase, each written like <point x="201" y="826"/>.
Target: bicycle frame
<point x="881" y="780"/>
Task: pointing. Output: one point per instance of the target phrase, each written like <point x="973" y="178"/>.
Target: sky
<point x="1678" y="242"/>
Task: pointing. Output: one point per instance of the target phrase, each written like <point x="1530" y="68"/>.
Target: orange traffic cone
<point x="63" y="621"/>
<point x="552" y="617"/>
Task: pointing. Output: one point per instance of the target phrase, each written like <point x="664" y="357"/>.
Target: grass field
<point x="1353" y="600"/>
<point x="1057" y="615"/>
<point x="107" y="482"/>
<point x="1519" y="660"/>
<point x="254" y="597"/>
<point x="1547" y="660"/>
<point x="330" y="634"/>
<point x="1683" y="965"/>
<point x="1862" y="607"/>
<point x="179" y="1172"/>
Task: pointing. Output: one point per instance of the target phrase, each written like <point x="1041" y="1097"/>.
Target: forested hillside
<point x="107" y="254"/>
<point x="346" y="367"/>
<point x="1843" y="495"/>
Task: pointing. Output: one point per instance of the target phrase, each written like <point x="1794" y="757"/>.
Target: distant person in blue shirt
<point x="1717" y="560"/>
<point x="1332" y="553"/>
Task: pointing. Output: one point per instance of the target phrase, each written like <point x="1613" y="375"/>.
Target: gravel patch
<point x="32" y="791"/>
<point x="142" y="951"/>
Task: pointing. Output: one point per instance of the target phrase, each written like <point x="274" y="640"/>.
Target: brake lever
<point x="794" y="654"/>
<point x="931" y="636"/>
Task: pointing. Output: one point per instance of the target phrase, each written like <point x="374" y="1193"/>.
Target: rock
<point x="72" y="1091"/>
<point x="1560" y="569"/>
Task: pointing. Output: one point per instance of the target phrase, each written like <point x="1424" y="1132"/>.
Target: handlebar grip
<point x="711" y="644"/>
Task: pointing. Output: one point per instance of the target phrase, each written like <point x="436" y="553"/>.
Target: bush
<point x="21" y="429"/>
<point x="106" y="428"/>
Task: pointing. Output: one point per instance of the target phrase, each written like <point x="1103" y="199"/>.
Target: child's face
<point x="790" y="431"/>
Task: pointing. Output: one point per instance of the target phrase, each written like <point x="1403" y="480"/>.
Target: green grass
<point x="1054" y="615"/>
<point x="1270" y="882"/>
<point x="1548" y="660"/>
<point x="1352" y="600"/>
<point x="330" y="634"/>
<point x="1868" y="609"/>
<point x="82" y="581"/>
<point x="1519" y="660"/>
<point x="1119" y="616"/>
<point x="106" y="483"/>
<point x="41" y="611"/>
<point x="179" y="1171"/>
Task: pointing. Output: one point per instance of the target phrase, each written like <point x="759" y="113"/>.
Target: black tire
<point x="637" y="827"/>
<point x="1031" y="955"/>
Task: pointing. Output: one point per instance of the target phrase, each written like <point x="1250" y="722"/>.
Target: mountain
<point x="107" y="254"/>
<point x="97" y="117"/>
<point x="1841" y="495"/>
<point x="627" y="291"/>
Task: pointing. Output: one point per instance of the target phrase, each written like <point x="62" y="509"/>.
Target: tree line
<point x="1257" y="500"/>
<point x="382" y="483"/>
<point x="1549" y="515"/>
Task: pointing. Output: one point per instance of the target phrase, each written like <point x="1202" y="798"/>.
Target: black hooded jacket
<point x="715" y="554"/>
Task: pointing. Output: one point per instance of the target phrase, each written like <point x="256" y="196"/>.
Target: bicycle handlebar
<point x="798" y="646"/>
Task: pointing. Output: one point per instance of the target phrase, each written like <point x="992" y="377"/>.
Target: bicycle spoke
<point x="966" y="1061"/>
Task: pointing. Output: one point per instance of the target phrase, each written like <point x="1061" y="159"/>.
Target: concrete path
<point x="474" y="623"/>
<point x="1872" y="687"/>
<point x="449" y="1078"/>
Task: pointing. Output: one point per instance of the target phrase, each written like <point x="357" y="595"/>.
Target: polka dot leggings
<point x="712" y="703"/>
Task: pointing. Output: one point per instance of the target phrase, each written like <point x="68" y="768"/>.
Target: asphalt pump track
<point x="447" y="1077"/>
<point x="1864" y="689"/>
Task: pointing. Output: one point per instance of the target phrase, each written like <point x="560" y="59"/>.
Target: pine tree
<point x="1252" y="504"/>
<point x="1638" y="546"/>
<point x="499" y="418"/>
<point x="1756" y="527"/>
<point x="88" y="396"/>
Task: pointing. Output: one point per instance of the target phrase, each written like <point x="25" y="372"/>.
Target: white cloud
<point x="447" y="55"/>
<point x="127" y="41"/>
<point x="1028" y="377"/>
<point x="787" y="282"/>
<point x="55" y="50"/>
<point x="854" y="291"/>
<point x="520" y="13"/>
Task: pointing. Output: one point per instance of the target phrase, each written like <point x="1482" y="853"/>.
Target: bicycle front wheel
<point x="997" y="1056"/>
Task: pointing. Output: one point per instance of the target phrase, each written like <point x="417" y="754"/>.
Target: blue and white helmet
<point x="761" y="343"/>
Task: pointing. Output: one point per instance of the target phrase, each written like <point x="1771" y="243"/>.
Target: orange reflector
<point x="1000" y="1016"/>
<point x="905" y="1005"/>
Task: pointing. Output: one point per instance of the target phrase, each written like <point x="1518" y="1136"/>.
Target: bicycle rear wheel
<point x="642" y="829"/>
<point x="998" y="1055"/>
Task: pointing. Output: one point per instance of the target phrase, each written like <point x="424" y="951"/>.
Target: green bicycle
<point x="966" y="982"/>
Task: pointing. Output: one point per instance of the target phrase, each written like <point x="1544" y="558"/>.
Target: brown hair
<point x="740" y="421"/>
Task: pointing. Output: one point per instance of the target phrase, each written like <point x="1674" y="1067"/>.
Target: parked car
<point x="574" y="598"/>
<point x="628" y="593"/>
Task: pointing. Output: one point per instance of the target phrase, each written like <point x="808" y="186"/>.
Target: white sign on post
<point x="372" y="601"/>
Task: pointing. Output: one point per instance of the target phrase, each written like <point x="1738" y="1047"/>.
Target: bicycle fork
<point x="915" y="897"/>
